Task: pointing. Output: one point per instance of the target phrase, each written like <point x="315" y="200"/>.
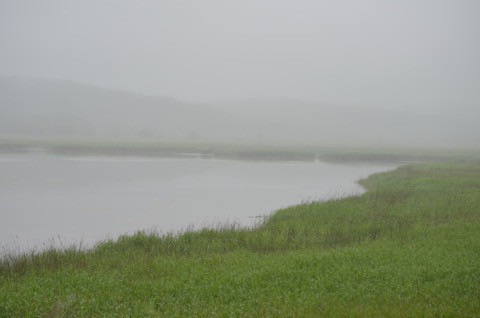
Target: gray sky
<point x="409" y="54"/>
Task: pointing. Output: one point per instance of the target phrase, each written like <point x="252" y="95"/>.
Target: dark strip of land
<point x="234" y="151"/>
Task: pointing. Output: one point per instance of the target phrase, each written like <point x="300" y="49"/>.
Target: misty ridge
<point x="66" y="109"/>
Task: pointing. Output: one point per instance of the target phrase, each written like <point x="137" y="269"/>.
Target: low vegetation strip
<point x="248" y="151"/>
<point x="408" y="247"/>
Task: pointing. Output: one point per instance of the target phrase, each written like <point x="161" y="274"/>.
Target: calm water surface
<point x="47" y="200"/>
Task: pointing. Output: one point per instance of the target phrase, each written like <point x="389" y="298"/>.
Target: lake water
<point x="59" y="200"/>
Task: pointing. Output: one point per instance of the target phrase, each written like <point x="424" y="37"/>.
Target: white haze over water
<point x="420" y="56"/>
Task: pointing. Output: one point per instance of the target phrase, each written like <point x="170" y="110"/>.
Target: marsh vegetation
<point x="134" y="91"/>
<point x="407" y="247"/>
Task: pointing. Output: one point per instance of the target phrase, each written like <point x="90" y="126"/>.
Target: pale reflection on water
<point x="48" y="200"/>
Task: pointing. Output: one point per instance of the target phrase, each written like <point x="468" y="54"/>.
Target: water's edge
<point x="231" y="180"/>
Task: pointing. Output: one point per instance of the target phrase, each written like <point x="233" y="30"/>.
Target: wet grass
<point x="409" y="247"/>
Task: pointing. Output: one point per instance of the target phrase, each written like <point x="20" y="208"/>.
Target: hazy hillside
<point x="52" y="108"/>
<point x="33" y="107"/>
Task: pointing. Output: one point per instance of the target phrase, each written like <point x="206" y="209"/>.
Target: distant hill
<point x="38" y="107"/>
<point x="58" y="108"/>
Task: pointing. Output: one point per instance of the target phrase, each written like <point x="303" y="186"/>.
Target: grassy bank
<point x="408" y="247"/>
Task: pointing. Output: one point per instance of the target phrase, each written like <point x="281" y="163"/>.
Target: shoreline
<point x="405" y="247"/>
<point x="236" y="151"/>
<point x="88" y="239"/>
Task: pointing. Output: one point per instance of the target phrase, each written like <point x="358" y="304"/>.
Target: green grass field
<point x="409" y="247"/>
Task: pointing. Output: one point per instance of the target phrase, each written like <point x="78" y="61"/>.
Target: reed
<point x="409" y="246"/>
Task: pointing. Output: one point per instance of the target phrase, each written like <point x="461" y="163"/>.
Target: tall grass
<point x="408" y="247"/>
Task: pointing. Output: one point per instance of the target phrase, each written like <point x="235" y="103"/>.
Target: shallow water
<point x="58" y="200"/>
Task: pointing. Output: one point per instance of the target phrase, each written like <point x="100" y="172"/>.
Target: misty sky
<point x="410" y="54"/>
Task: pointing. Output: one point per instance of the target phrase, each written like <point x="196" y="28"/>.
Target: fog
<point x="120" y="115"/>
<point x="326" y="72"/>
